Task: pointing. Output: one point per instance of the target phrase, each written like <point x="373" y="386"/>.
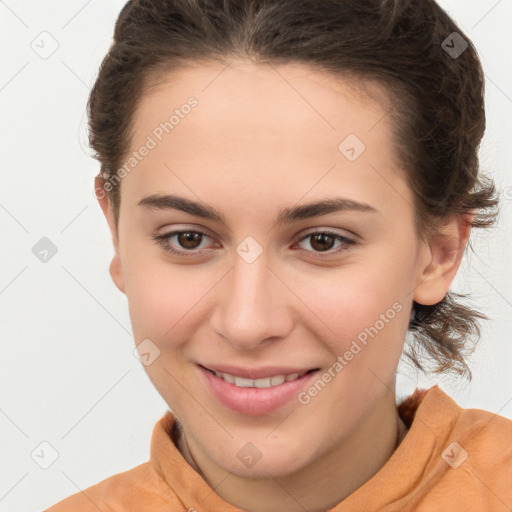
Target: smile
<point x="267" y="382"/>
<point x="258" y="392"/>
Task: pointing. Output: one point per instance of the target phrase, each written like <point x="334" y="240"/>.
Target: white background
<point x="68" y="375"/>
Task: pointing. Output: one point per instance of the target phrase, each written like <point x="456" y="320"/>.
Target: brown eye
<point x="322" y="241"/>
<point x="189" y="239"/>
<point x="182" y="243"/>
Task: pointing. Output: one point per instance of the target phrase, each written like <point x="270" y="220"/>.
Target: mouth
<point x="256" y="392"/>
<point x="265" y="382"/>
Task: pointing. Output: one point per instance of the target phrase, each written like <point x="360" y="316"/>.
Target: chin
<point x="264" y="463"/>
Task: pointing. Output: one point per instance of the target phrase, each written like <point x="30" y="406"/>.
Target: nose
<point x="253" y="305"/>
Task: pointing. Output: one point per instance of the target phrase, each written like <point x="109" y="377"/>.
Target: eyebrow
<point x="285" y="216"/>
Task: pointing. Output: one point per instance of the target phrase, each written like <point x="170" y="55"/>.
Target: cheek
<point x="366" y="312"/>
<point x="367" y="320"/>
<point x="352" y="299"/>
<point x="164" y="298"/>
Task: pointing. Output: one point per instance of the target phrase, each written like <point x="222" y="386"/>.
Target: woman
<point x="290" y="187"/>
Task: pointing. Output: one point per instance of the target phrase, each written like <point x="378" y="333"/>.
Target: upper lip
<point x="256" y="373"/>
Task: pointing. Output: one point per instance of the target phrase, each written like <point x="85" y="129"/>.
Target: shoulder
<point x="475" y="427"/>
<point x="476" y="459"/>
<point x="470" y="462"/>
<point x="132" y="490"/>
<point x="485" y="436"/>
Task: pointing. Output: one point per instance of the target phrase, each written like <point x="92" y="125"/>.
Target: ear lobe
<point x="116" y="273"/>
<point x="444" y="254"/>
<point x="116" y="268"/>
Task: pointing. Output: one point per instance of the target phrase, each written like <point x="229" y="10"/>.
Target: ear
<point x="443" y="256"/>
<point x="116" y="269"/>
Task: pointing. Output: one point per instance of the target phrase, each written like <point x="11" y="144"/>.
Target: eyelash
<point x="348" y="244"/>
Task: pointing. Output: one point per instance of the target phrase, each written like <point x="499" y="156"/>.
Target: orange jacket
<point x="451" y="459"/>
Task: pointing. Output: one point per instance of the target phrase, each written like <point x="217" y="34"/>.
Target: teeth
<point x="267" y="382"/>
<point x="262" y="383"/>
<point x="277" y="380"/>
<point x="244" y="383"/>
<point x="226" y="377"/>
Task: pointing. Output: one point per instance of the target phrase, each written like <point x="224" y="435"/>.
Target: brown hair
<point x="435" y="82"/>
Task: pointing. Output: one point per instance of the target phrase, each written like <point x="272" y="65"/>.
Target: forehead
<point x="264" y="97"/>
<point x="253" y="126"/>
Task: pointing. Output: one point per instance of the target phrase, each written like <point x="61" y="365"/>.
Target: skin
<point x="263" y="138"/>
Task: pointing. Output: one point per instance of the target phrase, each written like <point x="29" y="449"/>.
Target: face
<point x="257" y="293"/>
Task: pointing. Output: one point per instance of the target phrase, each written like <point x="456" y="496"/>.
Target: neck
<point x="315" y="488"/>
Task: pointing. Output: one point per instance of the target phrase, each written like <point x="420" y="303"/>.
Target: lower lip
<point x="255" y="401"/>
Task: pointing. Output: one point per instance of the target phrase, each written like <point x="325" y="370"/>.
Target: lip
<point x="254" y="401"/>
<point x="256" y="373"/>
